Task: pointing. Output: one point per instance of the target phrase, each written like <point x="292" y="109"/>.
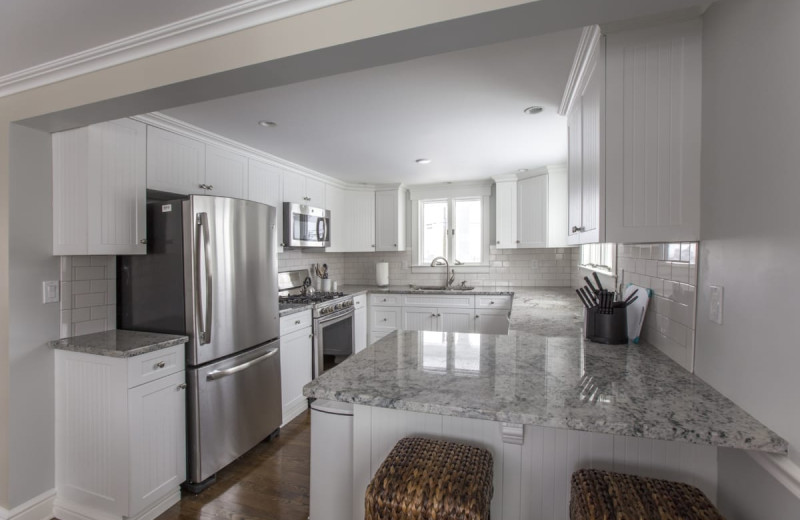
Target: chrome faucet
<point x="449" y="276"/>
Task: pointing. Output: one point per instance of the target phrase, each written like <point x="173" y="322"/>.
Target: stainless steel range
<point x="333" y="318"/>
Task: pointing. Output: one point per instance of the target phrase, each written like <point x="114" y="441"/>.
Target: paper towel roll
<point x="382" y="273"/>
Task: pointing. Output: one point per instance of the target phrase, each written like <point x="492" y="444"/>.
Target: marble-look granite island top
<point x="119" y="343"/>
<point x="552" y="381"/>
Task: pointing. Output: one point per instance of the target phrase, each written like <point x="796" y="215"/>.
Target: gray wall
<point x="751" y="224"/>
<point x="32" y="324"/>
<point x="745" y="491"/>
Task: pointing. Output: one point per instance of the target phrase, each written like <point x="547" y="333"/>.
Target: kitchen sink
<point x="441" y="288"/>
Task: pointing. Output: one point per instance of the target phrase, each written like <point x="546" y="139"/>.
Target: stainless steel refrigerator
<point x="211" y="273"/>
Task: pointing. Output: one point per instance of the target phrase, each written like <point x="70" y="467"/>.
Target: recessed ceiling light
<point x="268" y="124"/>
<point x="423" y="161"/>
<point x="533" y="110"/>
<point x="522" y="170"/>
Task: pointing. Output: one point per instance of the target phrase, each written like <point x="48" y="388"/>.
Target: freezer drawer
<point x="233" y="405"/>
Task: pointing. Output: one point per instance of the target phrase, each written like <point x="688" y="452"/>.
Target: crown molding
<point x="590" y="40"/>
<point x="204" y="26"/>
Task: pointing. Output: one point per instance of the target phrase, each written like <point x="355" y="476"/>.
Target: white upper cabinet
<point x="359" y="222"/>
<point x="532" y="212"/>
<point x="653" y="134"/>
<point x="634" y="137"/>
<point x="226" y="173"/>
<point x="99" y="189"/>
<point x="301" y="189"/>
<point x="334" y="197"/>
<point x="390" y="220"/>
<point x="506" y="213"/>
<point x="175" y="163"/>
<point x="264" y="186"/>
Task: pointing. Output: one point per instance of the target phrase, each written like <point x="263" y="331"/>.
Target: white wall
<point x="751" y="216"/>
<point x="32" y="324"/>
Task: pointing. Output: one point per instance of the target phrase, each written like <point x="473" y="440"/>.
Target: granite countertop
<point x="119" y="343"/>
<point x="405" y="289"/>
<point x="293" y="308"/>
<point x="544" y="373"/>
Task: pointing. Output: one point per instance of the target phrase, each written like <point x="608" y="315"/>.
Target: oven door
<point x="333" y="339"/>
<point x="306" y="226"/>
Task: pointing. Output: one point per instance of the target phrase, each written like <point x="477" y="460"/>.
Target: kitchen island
<point x="544" y="401"/>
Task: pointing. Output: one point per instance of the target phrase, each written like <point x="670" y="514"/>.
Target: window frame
<point x="606" y="258"/>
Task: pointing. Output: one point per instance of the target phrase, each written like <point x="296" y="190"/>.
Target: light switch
<point x="715" y="303"/>
<point x="50" y="291"/>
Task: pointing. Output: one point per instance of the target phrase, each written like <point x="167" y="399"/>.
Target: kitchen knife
<point x="597" y="279"/>
<point x="589" y="283"/>
<point x="630" y="297"/>
<point x="589" y="296"/>
<point x="631" y="300"/>
<point x="583" y="299"/>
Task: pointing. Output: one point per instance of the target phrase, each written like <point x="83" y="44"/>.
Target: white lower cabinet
<point x="491" y="321"/>
<point x="120" y="434"/>
<point x="455" y="320"/>
<point x="360" y="323"/>
<point x="296" y="362"/>
<point x="420" y="318"/>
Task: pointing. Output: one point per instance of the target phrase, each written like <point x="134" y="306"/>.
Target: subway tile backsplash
<point x="88" y="294"/>
<point x="670" y="270"/>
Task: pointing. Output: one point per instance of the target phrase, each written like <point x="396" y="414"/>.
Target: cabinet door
<point x="175" y="163"/>
<point x="334" y="197"/>
<point x="226" y="173"/>
<point x="360" y="221"/>
<point x="490" y="321"/>
<point x="315" y="193"/>
<point x="420" y="318"/>
<point x="506" y="214"/>
<point x="70" y="194"/>
<point x="294" y="188"/>
<point x="157" y="418"/>
<point x="386" y="220"/>
<point x="264" y="186"/>
<point x="653" y="137"/>
<point x="574" y="174"/>
<point x="117" y="188"/>
<point x="532" y="212"/>
<point x="295" y="371"/>
<point x="456" y="320"/>
<point x="360" y="325"/>
<point x="593" y="150"/>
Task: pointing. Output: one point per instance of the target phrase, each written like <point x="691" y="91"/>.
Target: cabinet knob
<point x="160" y="364"/>
<point x="384" y="319"/>
<point x="517" y="241"/>
<point x="395" y="245"/>
<point x="491" y="303"/>
<point x="182" y="386"/>
<point x="143" y="241"/>
<point x="477" y="316"/>
<point x="282" y="244"/>
<point x="438" y="315"/>
<point x="210" y="187"/>
<point x="433" y="315"/>
<point x="498" y="242"/>
<point x="297" y="322"/>
<point x="310" y="335"/>
<point x="373" y="245"/>
<point x="203" y="186"/>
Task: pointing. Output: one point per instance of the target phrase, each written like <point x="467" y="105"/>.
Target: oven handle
<point x="338" y="314"/>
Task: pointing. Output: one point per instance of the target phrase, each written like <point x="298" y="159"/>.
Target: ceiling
<point x="463" y="110"/>
<point x="37" y="31"/>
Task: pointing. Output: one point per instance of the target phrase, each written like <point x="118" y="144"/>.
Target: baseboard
<point x="38" y="508"/>
<point x="70" y="511"/>
<point x="293" y="409"/>
<point x="782" y="469"/>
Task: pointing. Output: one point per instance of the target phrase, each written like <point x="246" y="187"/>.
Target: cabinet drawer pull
<point x="182" y="386"/>
<point x="160" y="364"/>
<point x="297" y="322"/>
<point x="433" y="315"/>
<point x="477" y="316"/>
<point x="143" y="241"/>
<point x="310" y="335"/>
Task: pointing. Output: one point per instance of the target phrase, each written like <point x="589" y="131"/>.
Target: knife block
<point x="610" y="329"/>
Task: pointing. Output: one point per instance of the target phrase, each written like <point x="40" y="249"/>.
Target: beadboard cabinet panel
<point x="296" y="361"/>
<point x="175" y="163"/>
<point x="593" y="150"/>
<point x="532" y="212"/>
<point x="390" y="220"/>
<point x="226" y="173"/>
<point x="70" y="195"/>
<point x="653" y="134"/>
<point x="335" y="199"/>
<point x="506" y="214"/>
<point x="264" y="186"/>
<point x="359" y="225"/>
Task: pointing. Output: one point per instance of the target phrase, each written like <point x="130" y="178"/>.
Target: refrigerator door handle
<point x="218" y="374"/>
<point x="203" y="234"/>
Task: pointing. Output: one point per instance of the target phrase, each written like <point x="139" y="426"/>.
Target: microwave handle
<point x="325" y="229"/>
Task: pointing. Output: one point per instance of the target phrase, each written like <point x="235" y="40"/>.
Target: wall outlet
<point x="50" y="291"/>
<point x="715" y="303"/>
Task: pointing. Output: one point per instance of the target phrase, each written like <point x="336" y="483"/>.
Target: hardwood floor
<point x="269" y="482"/>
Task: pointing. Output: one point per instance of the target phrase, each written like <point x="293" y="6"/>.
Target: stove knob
<point x="338" y="306"/>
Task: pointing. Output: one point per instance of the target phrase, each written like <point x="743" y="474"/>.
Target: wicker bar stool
<point x="597" y="494"/>
<point x="431" y="479"/>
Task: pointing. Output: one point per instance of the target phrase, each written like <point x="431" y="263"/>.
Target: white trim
<point x="450" y="190"/>
<point x="294" y="409"/>
<point x="211" y="24"/>
<point x="38" y="508"/>
<point x="590" y="39"/>
<point x="782" y="469"/>
<point x="512" y="433"/>
<point x="64" y="510"/>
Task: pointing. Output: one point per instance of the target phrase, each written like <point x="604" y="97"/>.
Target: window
<point x="599" y="257"/>
<point x="451" y="228"/>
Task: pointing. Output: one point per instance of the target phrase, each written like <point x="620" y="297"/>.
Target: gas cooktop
<point x="317" y="297"/>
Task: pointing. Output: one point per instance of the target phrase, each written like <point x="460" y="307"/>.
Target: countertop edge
<point x="73" y="344"/>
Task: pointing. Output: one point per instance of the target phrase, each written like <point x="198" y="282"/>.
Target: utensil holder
<point x="610" y="329"/>
<point x="326" y="284"/>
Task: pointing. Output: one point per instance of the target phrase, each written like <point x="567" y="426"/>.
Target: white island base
<point x="532" y="464"/>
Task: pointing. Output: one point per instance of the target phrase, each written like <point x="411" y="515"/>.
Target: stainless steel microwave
<point x="305" y="226"/>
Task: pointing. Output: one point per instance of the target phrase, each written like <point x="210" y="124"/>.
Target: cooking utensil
<point x="324" y="270"/>
<point x="636" y="310"/>
<point x="589" y="296"/>
<point x="583" y="299"/>
<point x="597" y="279"/>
